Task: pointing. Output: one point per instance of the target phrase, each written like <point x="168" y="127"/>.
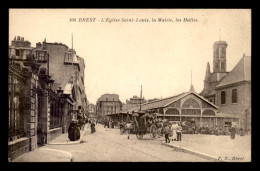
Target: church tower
<point x="219" y="56"/>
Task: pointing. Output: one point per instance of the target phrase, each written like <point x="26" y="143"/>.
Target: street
<point x="107" y="145"/>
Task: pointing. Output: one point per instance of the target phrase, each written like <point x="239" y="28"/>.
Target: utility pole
<point x="141" y="99"/>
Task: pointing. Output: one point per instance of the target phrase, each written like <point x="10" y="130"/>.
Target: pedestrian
<point x="128" y="128"/>
<point x="193" y="129"/>
<point x="216" y="131"/>
<point x="179" y="129"/>
<point x="167" y="132"/>
<point x="112" y="124"/>
<point x="159" y="126"/>
<point x="207" y="129"/>
<point x="92" y="125"/>
<point x="174" y="131"/>
<point x="109" y="123"/>
<point x="241" y="131"/>
<point x="122" y="127"/>
<point x="232" y="133"/>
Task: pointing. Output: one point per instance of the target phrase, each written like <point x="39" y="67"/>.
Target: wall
<point x="18" y="147"/>
<point x="243" y="102"/>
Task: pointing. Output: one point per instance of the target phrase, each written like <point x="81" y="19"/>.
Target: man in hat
<point x="128" y="127"/>
<point x="167" y="132"/>
<point x="179" y="130"/>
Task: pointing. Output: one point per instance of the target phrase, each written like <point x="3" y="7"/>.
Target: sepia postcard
<point x="129" y="85"/>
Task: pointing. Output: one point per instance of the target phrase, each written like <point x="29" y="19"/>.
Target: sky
<point x="121" y="56"/>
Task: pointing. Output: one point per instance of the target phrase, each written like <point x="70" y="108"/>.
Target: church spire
<point x="207" y="71"/>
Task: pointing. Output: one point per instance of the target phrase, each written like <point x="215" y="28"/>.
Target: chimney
<point x="22" y="38"/>
<point x="18" y="38"/>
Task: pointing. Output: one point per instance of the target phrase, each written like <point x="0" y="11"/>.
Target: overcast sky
<point x="122" y="56"/>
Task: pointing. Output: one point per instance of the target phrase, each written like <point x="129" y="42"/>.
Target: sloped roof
<point x="156" y="103"/>
<point x="210" y="90"/>
<point x="241" y="72"/>
<point x="166" y="101"/>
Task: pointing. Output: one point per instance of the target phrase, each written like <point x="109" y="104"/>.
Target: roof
<point x="155" y="103"/>
<point x="166" y="101"/>
<point x="241" y="72"/>
<point x="210" y="90"/>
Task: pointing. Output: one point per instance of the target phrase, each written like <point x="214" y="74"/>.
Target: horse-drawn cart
<point x="145" y="123"/>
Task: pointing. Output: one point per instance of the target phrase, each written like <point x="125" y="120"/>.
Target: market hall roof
<point x="241" y="72"/>
<point x="167" y="101"/>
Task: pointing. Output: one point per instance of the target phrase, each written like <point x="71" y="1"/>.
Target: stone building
<point x="40" y="101"/>
<point x="230" y="91"/>
<point x="108" y="104"/>
<point x="67" y="69"/>
<point x="28" y="84"/>
<point x="219" y="71"/>
<point x="134" y="101"/>
<point x="92" y="109"/>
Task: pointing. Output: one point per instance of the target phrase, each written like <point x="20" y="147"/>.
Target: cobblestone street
<point x="109" y="146"/>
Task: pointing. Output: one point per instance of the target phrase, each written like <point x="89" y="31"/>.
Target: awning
<point x="123" y="113"/>
<point x="67" y="89"/>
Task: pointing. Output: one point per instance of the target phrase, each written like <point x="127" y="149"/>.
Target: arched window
<point x="223" y="97"/>
<point x="234" y="96"/>
<point x="223" y="66"/>
<point x="208" y="112"/>
<point x="172" y="111"/>
<point x="191" y="103"/>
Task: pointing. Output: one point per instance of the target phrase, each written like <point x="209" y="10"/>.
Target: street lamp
<point x="60" y="92"/>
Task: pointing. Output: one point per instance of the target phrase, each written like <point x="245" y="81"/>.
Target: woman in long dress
<point x="232" y="133"/>
<point x="92" y="125"/>
<point x="174" y="131"/>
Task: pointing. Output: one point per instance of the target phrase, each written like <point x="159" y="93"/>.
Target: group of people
<point x="109" y="124"/>
<point x="176" y="132"/>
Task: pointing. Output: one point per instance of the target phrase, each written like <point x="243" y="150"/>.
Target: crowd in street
<point x="172" y="131"/>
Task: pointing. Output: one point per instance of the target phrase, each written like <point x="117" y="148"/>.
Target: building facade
<point x="230" y="91"/>
<point x="133" y="102"/>
<point x="92" y="108"/>
<point x="108" y="104"/>
<point x="40" y="103"/>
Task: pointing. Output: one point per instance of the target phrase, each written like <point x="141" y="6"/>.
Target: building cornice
<point x="234" y="84"/>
